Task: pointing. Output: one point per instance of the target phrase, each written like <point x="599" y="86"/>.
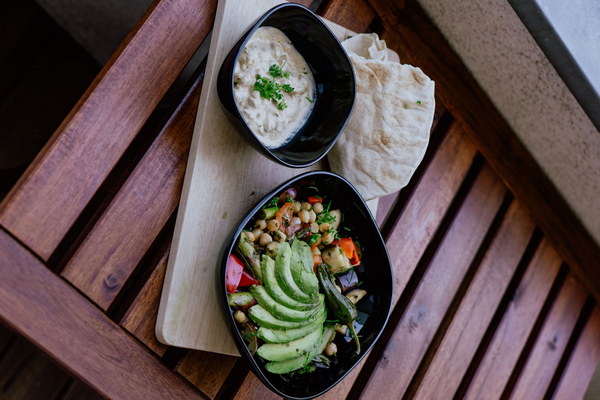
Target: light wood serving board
<point x="224" y="179"/>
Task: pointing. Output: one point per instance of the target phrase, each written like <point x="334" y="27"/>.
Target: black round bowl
<point x="334" y="79"/>
<point x="375" y="272"/>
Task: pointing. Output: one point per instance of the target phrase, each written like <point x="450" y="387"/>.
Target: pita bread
<point x="388" y="132"/>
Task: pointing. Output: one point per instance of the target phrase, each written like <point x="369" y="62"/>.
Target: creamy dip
<point x="274" y="88"/>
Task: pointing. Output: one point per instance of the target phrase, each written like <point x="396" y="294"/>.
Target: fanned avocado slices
<point x="301" y="266"/>
<point x="279" y="310"/>
<point x="273" y="288"/>
<point x="284" y="276"/>
<point x="287" y="335"/>
<point x="294" y="349"/>
<point x="264" y="318"/>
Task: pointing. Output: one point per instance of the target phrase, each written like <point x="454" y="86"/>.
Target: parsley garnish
<point x="309" y="99"/>
<point x="332" y="321"/>
<point x="272" y="203"/>
<point x="277" y="72"/>
<point x="418" y="101"/>
<point x="271" y="90"/>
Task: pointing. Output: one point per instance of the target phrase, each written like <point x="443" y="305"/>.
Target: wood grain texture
<point x="55" y="317"/>
<point x="454" y="353"/>
<point x="427" y="206"/>
<point x="104" y="260"/>
<point x="551" y="342"/>
<point x="410" y="32"/>
<point x="437" y="288"/>
<point x="140" y="318"/>
<point x="51" y="194"/>
<point x="355" y="15"/>
<point x="516" y="325"/>
<point x="252" y="388"/>
<point x="582" y="362"/>
<point x="207" y="371"/>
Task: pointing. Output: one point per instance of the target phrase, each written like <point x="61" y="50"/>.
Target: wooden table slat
<point x="452" y="357"/>
<point x="437" y="288"/>
<point x="583" y="361"/>
<point x="122" y="235"/>
<point x="57" y="319"/>
<point x="510" y="336"/>
<point x="140" y="318"/>
<point x="49" y="197"/>
<point x="356" y="15"/>
<point x="551" y="342"/>
<point x="207" y="371"/>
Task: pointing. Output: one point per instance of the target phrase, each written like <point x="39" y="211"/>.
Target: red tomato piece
<point x="233" y="275"/>
<point x="315" y="199"/>
<point x="247" y="280"/>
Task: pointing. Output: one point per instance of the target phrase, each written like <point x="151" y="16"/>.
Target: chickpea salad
<point x="292" y="284"/>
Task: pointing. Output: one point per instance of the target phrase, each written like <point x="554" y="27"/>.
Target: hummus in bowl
<point x="288" y="86"/>
<point x="273" y="86"/>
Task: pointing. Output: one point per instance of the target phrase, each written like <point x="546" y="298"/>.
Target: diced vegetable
<point x="350" y="250"/>
<point x="233" y="275"/>
<point x="348" y="280"/>
<point x="267" y="213"/>
<point x="313" y="240"/>
<point x="314" y="199"/>
<point x="240" y="299"/>
<point x="284" y="214"/>
<point x="336" y="260"/>
<point x="247" y="280"/>
<point x="288" y="196"/>
<point x="247" y="251"/>
<point x="356" y="295"/>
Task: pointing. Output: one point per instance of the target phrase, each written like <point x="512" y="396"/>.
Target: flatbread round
<point x="388" y="132"/>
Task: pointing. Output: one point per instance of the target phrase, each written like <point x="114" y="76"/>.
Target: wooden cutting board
<point x="224" y="179"/>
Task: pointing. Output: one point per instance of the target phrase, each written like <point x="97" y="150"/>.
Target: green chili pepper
<point x="339" y="305"/>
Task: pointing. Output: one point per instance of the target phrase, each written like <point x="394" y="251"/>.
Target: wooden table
<point x="495" y="278"/>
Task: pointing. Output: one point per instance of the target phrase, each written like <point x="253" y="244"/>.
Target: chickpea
<point x="240" y="317"/>
<point x="304" y="216"/>
<point x="296" y="207"/>
<point x="272" y="249"/>
<point x="324" y="227"/>
<point x="265" y="239"/>
<point x="331" y="349"/>
<point x="280" y="236"/>
<point x="257" y="232"/>
<point x="272" y="225"/>
<point x="306" y="206"/>
<point x="250" y="236"/>
<point x="318" y="207"/>
<point x="314" y="227"/>
<point x="295" y="221"/>
<point x="327" y="238"/>
<point x="260" y="224"/>
<point x="312" y="216"/>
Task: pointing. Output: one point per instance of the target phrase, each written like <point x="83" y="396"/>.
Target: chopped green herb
<point x="309" y="100"/>
<point x="277" y="72"/>
<point x="346" y="228"/>
<point x="305" y="72"/>
<point x="287" y="88"/>
<point x="289" y="200"/>
<point x="313" y="187"/>
<point x="272" y="203"/>
<point x="282" y="105"/>
<point x="349" y="36"/>
<point x="359" y="283"/>
<point x="332" y="321"/>
<point x="418" y="101"/>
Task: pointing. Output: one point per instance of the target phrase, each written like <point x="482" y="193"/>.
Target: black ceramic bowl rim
<point x="239" y="116"/>
<point x="224" y="300"/>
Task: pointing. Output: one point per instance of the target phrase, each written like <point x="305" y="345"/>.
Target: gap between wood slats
<point x="413" y="283"/>
<point x="537" y="327"/>
<point x="500" y="311"/>
<point x="459" y="295"/>
<point x="585" y="315"/>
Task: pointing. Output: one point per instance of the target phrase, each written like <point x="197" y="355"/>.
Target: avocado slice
<point x="301" y="266"/>
<point x="264" y="318"/>
<point x="284" y="276"/>
<point x="287" y="335"/>
<point x="284" y="367"/>
<point x="279" y="310"/>
<point x="294" y="349"/>
<point x="273" y="288"/>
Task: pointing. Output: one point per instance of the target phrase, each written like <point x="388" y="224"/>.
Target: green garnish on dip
<point x="270" y="89"/>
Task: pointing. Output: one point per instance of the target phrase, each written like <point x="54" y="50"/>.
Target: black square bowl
<point x="334" y="81"/>
<point x="375" y="272"/>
